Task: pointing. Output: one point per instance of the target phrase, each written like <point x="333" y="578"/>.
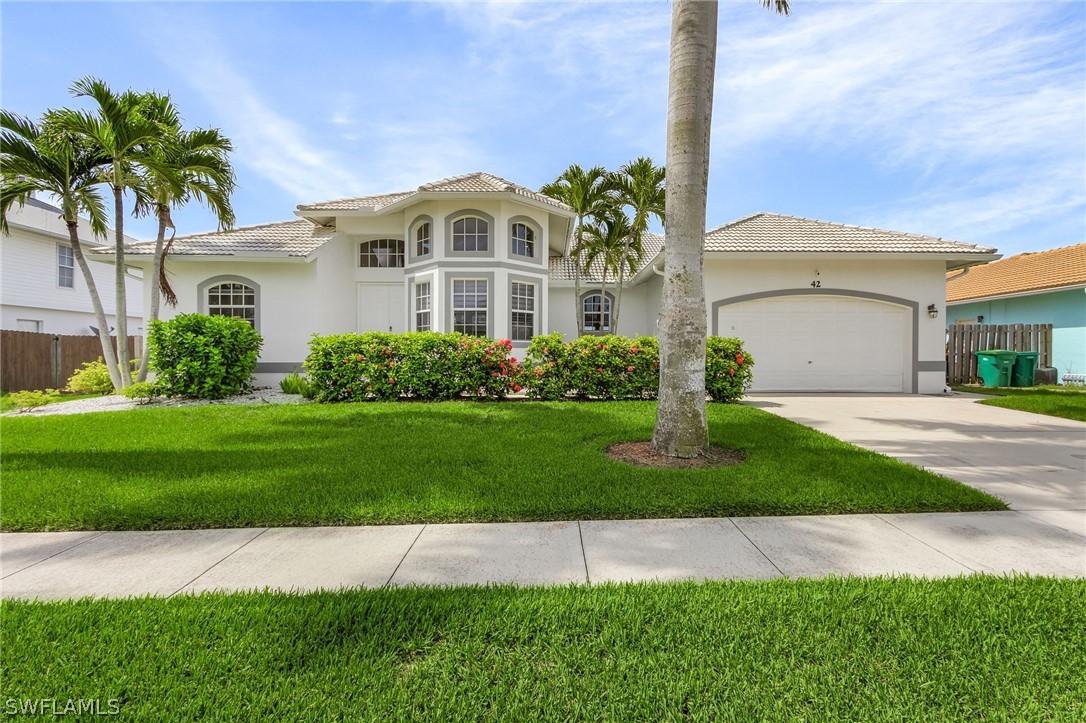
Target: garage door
<point x="823" y="343"/>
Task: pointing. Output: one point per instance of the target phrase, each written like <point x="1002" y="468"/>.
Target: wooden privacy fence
<point x="964" y="339"/>
<point x="30" y="360"/>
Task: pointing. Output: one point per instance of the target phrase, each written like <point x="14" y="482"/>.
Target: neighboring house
<point x="1047" y="287"/>
<point x="821" y="306"/>
<point x="43" y="288"/>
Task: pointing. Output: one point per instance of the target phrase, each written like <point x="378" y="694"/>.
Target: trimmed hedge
<point x="615" y="367"/>
<point x="430" y="365"/>
<point x="419" y="364"/>
<point x="209" y="357"/>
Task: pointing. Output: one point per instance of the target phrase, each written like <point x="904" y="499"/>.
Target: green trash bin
<point x="994" y="366"/>
<point x="1025" y="366"/>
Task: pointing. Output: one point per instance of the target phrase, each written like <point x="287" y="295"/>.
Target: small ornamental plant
<point x="91" y="378"/>
<point x="427" y="365"/>
<point x="29" y="399"/>
<point x="208" y="357"/>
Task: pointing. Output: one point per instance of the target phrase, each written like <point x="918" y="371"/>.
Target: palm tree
<point x="588" y="194"/>
<point x="681" y="429"/>
<point x="184" y="166"/>
<point x="121" y="129"/>
<point x="638" y="186"/>
<point x="47" y="159"/>
<point x="605" y="241"/>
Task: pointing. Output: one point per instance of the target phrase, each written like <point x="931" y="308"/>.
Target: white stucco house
<point x="42" y="288"/>
<point x="821" y="306"/>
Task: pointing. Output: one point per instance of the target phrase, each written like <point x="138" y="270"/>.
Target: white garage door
<point x="823" y="343"/>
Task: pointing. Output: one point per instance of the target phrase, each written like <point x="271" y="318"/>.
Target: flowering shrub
<point x="615" y="367"/>
<point x="421" y="365"/>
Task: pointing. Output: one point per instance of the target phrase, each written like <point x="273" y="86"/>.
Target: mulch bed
<point x="643" y="455"/>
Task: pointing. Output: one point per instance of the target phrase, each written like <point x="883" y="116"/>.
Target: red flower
<point x="391" y="381"/>
<point x="633" y="350"/>
<point x="629" y="369"/>
<point x="358" y="358"/>
<point x="656" y="364"/>
<point x="517" y="387"/>
<point x="546" y="350"/>
<point x="739" y="359"/>
<point x="732" y="372"/>
<point x="494" y="374"/>
<point x="512" y="360"/>
<point x="599" y="370"/>
<point x="538" y="371"/>
<point x="551" y="363"/>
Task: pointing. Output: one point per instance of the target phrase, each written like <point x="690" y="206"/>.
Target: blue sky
<point x="962" y="120"/>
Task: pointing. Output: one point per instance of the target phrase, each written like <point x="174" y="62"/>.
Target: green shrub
<point x="209" y="357"/>
<point x="93" y="378"/>
<point x="419" y="365"/>
<point x="615" y="367"/>
<point x="295" y="383"/>
<point x="31" y="398"/>
<point x="142" y="392"/>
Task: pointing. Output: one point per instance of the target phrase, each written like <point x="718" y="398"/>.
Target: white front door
<point x="823" y="343"/>
<point x="381" y="307"/>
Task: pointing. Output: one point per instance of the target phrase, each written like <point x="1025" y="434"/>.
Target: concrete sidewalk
<point x="120" y="564"/>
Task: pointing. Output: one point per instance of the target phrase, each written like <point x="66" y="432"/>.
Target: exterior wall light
<point x="932" y="311"/>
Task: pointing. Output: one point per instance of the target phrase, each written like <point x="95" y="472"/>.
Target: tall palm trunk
<point x="96" y="302"/>
<point x="124" y="363"/>
<point x="164" y="222"/>
<point x="681" y="429"/>
<point x="575" y="253"/>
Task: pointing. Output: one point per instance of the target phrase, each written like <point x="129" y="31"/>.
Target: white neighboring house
<point x="821" y="306"/>
<point x="43" y="289"/>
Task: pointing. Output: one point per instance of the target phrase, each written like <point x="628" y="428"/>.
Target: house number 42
<point x="816" y="284"/>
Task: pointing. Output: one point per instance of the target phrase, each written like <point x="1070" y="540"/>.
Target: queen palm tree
<point x="184" y="166"/>
<point x="120" y="129"/>
<point x="638" y="186"/>
<point x="681" y="429"/>
<point x="604" y="241"/>
<point x="588" y="193"/>
<point x="47" y="159"/>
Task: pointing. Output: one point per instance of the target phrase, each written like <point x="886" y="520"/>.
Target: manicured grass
<point x="6" y="405"/>
<point x="1055" y="401"/>
<point x="977" y="648"/>
<point x="220" y="466"/>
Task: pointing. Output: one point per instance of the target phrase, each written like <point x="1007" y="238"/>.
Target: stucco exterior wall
<point x="1065" y="310"/>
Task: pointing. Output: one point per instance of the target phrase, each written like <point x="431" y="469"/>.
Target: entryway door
<point x="823" y="343"/>
<point x="381" y="307"/>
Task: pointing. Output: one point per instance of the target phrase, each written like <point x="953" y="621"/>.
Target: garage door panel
<point x="809" y="343"/>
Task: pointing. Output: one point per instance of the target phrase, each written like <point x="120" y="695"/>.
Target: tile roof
<point x="468" y="183"/>
<point x="561" y="267"/>
<point x="1017" y="274"/>
<point x="286" y="238"/>
<point x="769" y="232"/>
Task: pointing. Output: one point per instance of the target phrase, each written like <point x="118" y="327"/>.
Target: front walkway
<point x="52" y="565"/>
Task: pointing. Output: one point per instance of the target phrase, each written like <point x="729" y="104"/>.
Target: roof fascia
<point x="1031" y="292"/>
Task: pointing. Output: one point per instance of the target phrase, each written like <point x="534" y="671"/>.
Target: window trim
<point x="412" y="230"/>
<point x="402" y="255"/>
<point x="429" y="311"/>
<point x="202" y="289"/>
<point x="488" y="277"/>
<point x="540" y="257"/>
<point x="608" y="315"/>
<point x="60" y="265"/>
<point x="468" y="213"/>
<point x="537" y="297"/>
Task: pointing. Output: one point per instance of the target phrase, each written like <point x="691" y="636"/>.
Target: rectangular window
<point x="469" y="306"/>
<point x="65" y="266"/>
<point x="523" y="305"/>
<point x="28" y="325"/>
<point x="382" y="253"/>
<point x="422" y="240"/>
<point x="422" y="306"/>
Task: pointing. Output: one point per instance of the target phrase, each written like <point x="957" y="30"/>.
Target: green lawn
<point x="1055" y="401"/>
<point x="976" y="648"/>
<point x="6" y="405"/>
<point x="230" y="466"/>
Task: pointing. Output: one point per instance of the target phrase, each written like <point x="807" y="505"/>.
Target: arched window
<point x="232" y="298"/>
<point x="422" y="240"/>
<point x="382" y="253"/>
<point x="523" y="238"/>
<point x="471" y="233"/>
<point x="596" y="311"/>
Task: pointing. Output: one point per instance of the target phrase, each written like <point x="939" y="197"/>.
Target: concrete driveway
<point x="1036" y="463"/>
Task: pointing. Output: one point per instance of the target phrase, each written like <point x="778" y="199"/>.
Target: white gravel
<point x="116" y="403"/>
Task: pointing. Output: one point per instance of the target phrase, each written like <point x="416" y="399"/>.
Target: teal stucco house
<point x="1047" y="287"/>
